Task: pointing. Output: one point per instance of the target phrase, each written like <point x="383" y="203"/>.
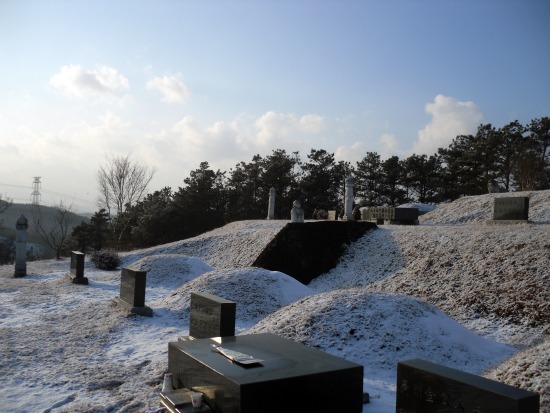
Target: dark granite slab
<point x="511" y="208"/>
<point x="132" y="287"/>
<point x="211" y="316"/>
<point x="291" y="378"/>
<point x="77" y="263"/>
<point x="425" y="387"/>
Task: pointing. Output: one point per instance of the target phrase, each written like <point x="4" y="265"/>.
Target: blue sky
<point x="175" y="83"/>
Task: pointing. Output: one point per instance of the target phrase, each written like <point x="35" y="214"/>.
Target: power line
<point x="48" y="191"/>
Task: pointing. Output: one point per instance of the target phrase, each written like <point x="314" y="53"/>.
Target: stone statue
<point x="297" y="213"/>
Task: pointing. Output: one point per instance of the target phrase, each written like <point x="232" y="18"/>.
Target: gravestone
<point x="511" y="209"/>
<point x="332" y="216"/>
<point x="391" y="215"/>
<point x="21" y="238"/>
<point x="132" y="292"/>
<point x="271" y="205"/>
<point x="297" y="213"/>
<point x="290" y="378"/>
<point x="211" y="316"/>
<point x="77" y="268"/>
<point x="427" y="387"/>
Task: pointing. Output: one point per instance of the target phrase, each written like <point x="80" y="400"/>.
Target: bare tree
<point x="122" y="183"/>
<point x="54" y="231"/>
<point x="5" y="203"/>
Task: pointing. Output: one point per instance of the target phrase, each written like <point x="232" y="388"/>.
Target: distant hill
<point x="9" y="217"/>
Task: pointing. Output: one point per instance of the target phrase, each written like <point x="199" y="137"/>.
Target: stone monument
<point x="132" y="293"/>
<point x="297" y="213"/>
<point x="21" y="238"/>
<point x="511" y="209"/>
<point x="348" y="206"/>
<point x="211" y="316"/>
<point x="271" y="207"/>
<point x="76" y="274"/>
<point x="423" y="386"/>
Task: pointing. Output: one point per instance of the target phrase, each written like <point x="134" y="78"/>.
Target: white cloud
<point x="274" y="126"/>
<point x="311" y="124"/>
<point x="352" y="153"/>
<point x="76" y="82"/>
<point x="172" y="88"/>
<point x="450" y="118"/>
<point x="389" y="142"/>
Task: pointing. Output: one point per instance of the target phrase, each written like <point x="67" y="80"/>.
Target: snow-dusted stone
<point x="21" y="239"/>
<point x="425" y="386"/>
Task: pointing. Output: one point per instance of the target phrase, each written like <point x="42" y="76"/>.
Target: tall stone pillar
<point x="271" y="207"/>
<point x="21" y="246"/>
<point x="348" y="201"/>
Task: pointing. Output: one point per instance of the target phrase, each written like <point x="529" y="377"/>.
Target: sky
<point x="175" y="83"/>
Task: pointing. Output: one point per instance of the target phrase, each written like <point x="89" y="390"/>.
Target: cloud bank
<point x="450" y="118"/>
<point x="76" y="82"/>
<point x="171" y="87"/>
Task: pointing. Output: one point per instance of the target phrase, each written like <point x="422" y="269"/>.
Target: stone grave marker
<point x="77" y="268"/>
<point x="289" y="377"/>
<point x="391" y="215"/>
<point x="132" y="292"/>
<point x="511" y="209"/>
<point x="427" y="387"/>
<point x="211" y="316"/>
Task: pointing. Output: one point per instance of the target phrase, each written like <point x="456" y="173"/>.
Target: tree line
<point x="516" y="156"/>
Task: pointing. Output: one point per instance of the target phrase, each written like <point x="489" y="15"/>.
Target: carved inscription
<point x="511" y="208"/>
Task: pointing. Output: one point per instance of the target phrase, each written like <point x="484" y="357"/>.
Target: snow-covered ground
<point x="453" y="290"/>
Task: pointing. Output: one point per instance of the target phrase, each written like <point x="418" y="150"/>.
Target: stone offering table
<point x="291" y="378"/>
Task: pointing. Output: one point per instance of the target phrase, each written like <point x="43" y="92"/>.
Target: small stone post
<point x="348" y="201"/>
<point x="21" y="246"/>
<point x="271" y="207"/>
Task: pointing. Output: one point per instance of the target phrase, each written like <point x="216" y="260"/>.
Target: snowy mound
<point x="373" y="257"/>
<point x="529" y="369"/>
<point x="380" y="329"/>
<point x="219" y="248"/>
<point x="169" y="270"/>
<point x="472" y="209"/>
<point x="257" y="292"/>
